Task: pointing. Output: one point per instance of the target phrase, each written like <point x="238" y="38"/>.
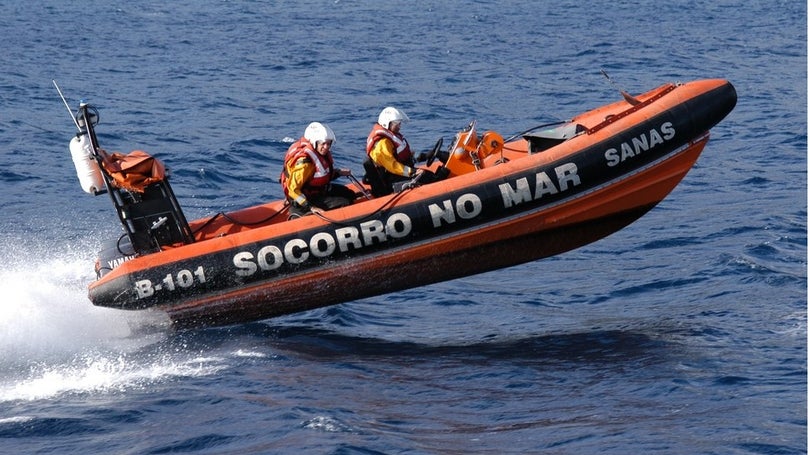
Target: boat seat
<point x="544" y="140"/>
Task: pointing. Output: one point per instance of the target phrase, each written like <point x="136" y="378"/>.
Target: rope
<point x="391" y="202"/>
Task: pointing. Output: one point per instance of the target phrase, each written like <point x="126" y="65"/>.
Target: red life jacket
<point x="324" y="166"/>
<point x="402" y="151"/>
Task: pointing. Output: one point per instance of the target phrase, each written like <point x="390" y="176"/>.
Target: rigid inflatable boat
<point x="504" y="202"/>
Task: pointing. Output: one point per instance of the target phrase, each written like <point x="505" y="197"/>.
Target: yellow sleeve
<point x="302" y="170"/>
<point x="383" y="155"/>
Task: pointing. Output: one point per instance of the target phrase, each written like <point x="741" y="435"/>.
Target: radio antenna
<point x="627" y="97"/>
<point x="72" y="117"/>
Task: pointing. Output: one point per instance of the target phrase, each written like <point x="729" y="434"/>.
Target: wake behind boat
<point x="504" y="202"/>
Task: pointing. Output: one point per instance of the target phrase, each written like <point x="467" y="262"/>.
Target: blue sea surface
<point x="684" y="333"/>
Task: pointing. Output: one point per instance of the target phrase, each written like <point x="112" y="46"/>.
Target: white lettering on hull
<point x="639" y="144"/>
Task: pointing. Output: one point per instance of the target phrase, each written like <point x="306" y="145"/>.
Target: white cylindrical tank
<point x="86" y="166"/>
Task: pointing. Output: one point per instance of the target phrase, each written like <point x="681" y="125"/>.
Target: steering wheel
<point x="434" y="152"/>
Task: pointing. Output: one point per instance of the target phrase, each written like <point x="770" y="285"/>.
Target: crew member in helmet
<point x="309" y="171"/>
<point x="389" y="158"/>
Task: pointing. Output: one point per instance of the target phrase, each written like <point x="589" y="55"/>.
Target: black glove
<point x="425" y="177"/>
<point x="422" y="156"/>
<point x="305" y="207"/>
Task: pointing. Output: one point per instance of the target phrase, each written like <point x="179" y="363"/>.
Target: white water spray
<point x="53" y="340"/>
<point x="45" y="313"/>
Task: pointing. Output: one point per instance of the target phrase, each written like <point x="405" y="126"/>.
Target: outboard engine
<point x="112" y="254"/>
<point x="139" y="189"/>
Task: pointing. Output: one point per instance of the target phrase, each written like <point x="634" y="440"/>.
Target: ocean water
<point x="685" y="333"/>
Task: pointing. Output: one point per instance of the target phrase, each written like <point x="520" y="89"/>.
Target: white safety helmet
<point x="318" y="132"/>
<point x="391" y="114"/>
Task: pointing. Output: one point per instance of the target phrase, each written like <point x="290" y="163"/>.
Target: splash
<point x="52" y="339"/>
<point x="105" y="373"/>
<point x="45" y="313"/>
